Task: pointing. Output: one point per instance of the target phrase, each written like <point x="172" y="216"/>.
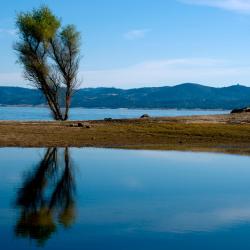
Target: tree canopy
<point x="50" y="56"/>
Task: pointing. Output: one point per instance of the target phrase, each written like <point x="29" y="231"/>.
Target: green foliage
<point x="70" y="37"/>
<point x="40" y="24"/>
<point x="50" y="57"/>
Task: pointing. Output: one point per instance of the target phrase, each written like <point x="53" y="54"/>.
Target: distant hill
<point x="183" y="96"/>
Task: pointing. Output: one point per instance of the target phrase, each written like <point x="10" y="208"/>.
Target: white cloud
<point x="170" y="72"/>
<point x="233" y="5"/>
<point x="136" y="34"/>
<point x="11" y="32"/>
<point x="207" y="71"/>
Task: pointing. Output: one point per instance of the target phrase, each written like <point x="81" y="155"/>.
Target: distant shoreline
<point x="178" y="109"/>
<point x="210" y="133"/>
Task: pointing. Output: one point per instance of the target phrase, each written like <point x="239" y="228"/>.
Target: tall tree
<point x="50" y="56"/>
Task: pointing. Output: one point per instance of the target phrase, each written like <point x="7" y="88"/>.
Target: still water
<point x="117" y="199"/>
<point x="41" y="113"/>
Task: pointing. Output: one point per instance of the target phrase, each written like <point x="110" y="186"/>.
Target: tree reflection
<point x="46" y="197"/>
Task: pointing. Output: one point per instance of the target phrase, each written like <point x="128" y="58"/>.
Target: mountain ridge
<point x="182" y="96"/>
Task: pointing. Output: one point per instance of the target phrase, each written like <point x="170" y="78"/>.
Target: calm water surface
<point x="118" y="199"/>
<point x="39" y="113"/>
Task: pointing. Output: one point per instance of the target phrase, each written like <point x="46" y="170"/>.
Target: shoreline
<point x="177" y="109"/>
<point x="208" y="133"/>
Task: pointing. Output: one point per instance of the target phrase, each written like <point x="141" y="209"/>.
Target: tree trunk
<point x="52" y="104"/>
<point x="67" y="105"/>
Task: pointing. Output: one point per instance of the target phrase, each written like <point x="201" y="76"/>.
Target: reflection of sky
<point x="145" y="191"/>
<point x="166" y="190"/>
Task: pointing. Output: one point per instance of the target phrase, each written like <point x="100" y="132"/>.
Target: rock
<point x="80" y="125"/>
<point x="243" y="110"/>
<point x="86" y="125"/>
<point x="73" y="125"/>
<point x="145" y="116"/>
<point x="107" y="119"/>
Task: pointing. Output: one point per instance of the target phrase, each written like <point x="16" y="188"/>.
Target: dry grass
<point x="224" y="133"/>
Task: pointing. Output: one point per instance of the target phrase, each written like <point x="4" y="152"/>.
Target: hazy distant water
<point x="40" y="113"/>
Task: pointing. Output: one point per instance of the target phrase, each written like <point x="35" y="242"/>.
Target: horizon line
<point x="165" y="86"/>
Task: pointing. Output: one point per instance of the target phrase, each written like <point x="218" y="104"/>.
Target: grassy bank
<point x="225" y="133"/>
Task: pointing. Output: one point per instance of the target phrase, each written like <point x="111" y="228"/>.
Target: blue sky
<point x="135" y="43"/>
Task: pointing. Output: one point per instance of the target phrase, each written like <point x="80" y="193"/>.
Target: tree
<point x="50" y="56"/>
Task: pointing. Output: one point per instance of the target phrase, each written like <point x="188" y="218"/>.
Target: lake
<point x="117" y="199"/>
<point x="42" y="113"/>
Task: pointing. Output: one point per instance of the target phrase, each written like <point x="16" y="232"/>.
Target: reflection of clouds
<point x="13" y="179"/>
<point x="203" y="221"/>
<point x="132" y="182"/>
<point x="161" y="218"/>
<point x="185" y="156"/>
<point x="194" y="158"/>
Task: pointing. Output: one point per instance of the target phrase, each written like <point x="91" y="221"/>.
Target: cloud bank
<point x="212" y="72"/>
<point x="232" y="5"/>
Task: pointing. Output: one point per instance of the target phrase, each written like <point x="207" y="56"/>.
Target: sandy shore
<point x="219" y="133"/>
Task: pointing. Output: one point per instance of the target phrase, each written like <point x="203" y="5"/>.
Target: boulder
<point x="145" y="116"/>
<point x="107" y="119"/>
<point x="80" y="125"/>
<point x="73" y="125"/>
<point x="242" y="110"/>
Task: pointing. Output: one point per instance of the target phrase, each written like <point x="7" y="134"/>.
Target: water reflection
<point x="130" y="200"/>
<point x="46" y="198"/>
